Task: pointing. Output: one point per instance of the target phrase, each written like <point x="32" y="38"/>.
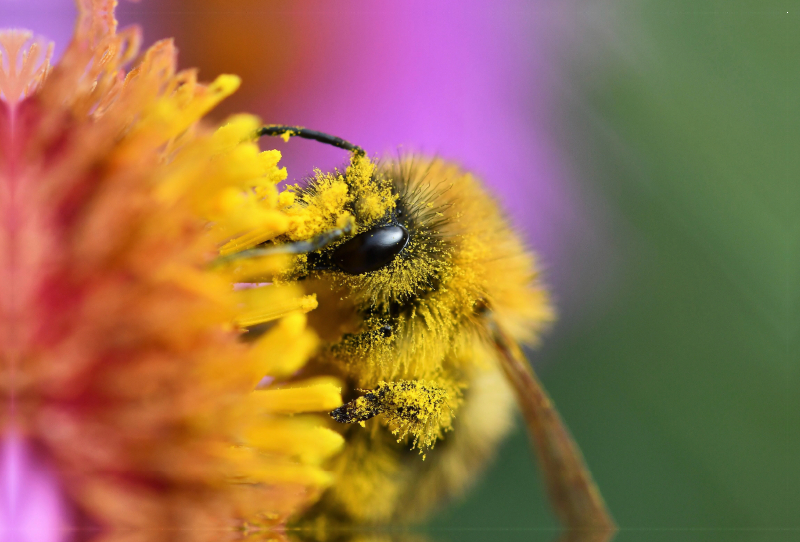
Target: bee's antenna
<point x="281" y="130"/>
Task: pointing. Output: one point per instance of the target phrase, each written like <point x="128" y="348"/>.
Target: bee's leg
<point x="374" y="470"/>
<point x="380" y="481"/>
<point x="483" y="419"/>
<point x="359" y="410"/>
<point x="418" y="408"/>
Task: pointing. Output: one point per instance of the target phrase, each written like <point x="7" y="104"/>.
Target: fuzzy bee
<point x="424" y="295"/>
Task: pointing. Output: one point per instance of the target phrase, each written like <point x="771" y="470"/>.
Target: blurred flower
<point x="121" y="358"/>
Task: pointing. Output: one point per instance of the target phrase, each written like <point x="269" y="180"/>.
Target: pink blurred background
<point x="32" y="505"/>
<point x="478" y="82"/>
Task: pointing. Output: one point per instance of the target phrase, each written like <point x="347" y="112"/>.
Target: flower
<point x="122" y="352"/>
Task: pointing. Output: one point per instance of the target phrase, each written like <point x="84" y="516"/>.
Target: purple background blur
<point x="32" y="506"/>
<point x="477" y="82"/>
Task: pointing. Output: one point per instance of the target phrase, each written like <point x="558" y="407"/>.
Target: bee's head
<point x="407" y="257"/>
<point x="367" y="231"/>
<point x="391" y="254"/>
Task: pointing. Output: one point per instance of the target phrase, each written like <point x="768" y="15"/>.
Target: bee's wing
<point x="572" y="490"/>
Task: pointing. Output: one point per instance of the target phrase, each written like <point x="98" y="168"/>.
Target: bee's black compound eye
<point x="370" y="250"/>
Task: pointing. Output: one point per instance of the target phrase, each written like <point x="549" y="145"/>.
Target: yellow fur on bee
<point x="462" y="261"/>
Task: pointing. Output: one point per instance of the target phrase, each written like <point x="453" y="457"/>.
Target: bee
<point x="425" y="294"/>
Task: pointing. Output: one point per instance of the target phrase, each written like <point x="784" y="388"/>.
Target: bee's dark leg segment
<point x="300" y="247"/>
<point x="359" y="410"/>
<point x="279" y="130"/>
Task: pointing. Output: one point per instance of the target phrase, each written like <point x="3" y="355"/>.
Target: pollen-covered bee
<point x="424" y="294"/>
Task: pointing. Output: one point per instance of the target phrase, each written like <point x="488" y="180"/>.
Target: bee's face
<point x="405" y="291"/>
<point x="398" y="253"/>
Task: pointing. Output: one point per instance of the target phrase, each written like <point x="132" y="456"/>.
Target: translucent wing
<point x="572" y="491"/>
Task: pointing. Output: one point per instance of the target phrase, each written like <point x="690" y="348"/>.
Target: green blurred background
<point x="682" y="387"/>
